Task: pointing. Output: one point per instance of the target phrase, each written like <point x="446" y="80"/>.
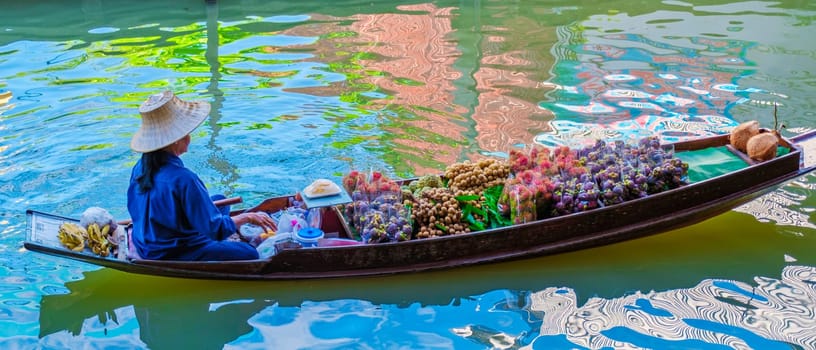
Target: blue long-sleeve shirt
<point x="175" y="216"/>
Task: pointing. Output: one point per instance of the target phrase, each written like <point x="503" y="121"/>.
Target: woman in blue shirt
<point x="173" y="214"/>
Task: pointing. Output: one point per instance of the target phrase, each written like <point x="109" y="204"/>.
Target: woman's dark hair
<point x="151" y="163"/>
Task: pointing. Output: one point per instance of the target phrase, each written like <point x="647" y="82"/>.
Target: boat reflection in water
<point x="774" y="313"/>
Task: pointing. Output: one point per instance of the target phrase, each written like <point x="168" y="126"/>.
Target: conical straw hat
<point x="166" y="119"/>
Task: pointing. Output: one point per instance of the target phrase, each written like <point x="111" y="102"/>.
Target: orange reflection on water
<point x="508" y="79"/>
<point x="414" y="47"/>
<point x="419" y="64"/>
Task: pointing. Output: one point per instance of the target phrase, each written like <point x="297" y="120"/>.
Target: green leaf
<point x="491" y="207"/>
<point x="465" y="198"/>
<point x="475" y="225"/>
<point x="467" y="209"/>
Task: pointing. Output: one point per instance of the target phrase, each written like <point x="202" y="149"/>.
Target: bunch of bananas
<point x="72" y="236"/>
<point x="98" y="239"/>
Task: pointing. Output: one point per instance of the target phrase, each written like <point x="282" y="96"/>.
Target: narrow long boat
<point x="682" y="206"/>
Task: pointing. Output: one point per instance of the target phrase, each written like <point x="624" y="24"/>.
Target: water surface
<point x="305" y="90"/>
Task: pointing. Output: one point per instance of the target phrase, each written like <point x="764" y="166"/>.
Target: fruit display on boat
<point x="98" y="239"/>
<point x="743" y="132"/>
<point x="72" y="236"/>
<point x="762" y="147"/>
<point x="96" y="230"/>
<point x="385" y="220"/>
<point x="529" y="185"/>
<point x="570" y="181"/>
<point x="757" y="143"/>
<point x="476" y="177"/>
<point x="76" y="238"/>
<point x="436" y="213"/>
<point x="520" y="202"/>
<point x="376" y="212"/>
<point x="414" y="188"/>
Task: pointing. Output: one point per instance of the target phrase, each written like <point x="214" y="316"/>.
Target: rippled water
<point x="309" y="89"/>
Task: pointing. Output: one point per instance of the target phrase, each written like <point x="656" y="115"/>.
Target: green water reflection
<point x="309" y="89"/>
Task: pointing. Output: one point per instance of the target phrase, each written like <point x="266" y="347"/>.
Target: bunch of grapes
<point x="376" y="207"/>
<point x="574" y="194"/>
<point x="384" y="220"/>
<point x="571" y="181"/>
<point x="379" y="227"/>
<point x="436" y="212"/>
<point x="617" y="172"/>
<point x="467" y="176"/>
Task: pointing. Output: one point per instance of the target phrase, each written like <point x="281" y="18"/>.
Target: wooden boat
<point x="653" y="214"/>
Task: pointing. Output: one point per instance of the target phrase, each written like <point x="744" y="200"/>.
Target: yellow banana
<point x="93" y="232"/>
<point x="72" y="236"/>
<point x="104" y="250"/>
<point x="80" y="247"/>
<point x="98" y="239"/>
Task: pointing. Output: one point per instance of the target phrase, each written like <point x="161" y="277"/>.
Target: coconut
<point x="762" y="147"/>
<point x="742" y="133"/>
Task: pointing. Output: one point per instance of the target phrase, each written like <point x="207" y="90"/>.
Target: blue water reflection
<point x="774" y="315"/>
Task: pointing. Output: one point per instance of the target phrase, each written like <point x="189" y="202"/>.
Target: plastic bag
<point x="385" y="219"/>
<point x="292" y="219"/>
<point x="267" y="248"/>
<point x="314" y="218"/>
<point x="521" y="202"/>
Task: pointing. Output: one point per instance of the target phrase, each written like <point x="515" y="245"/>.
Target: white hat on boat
<point x="166" y="119"/>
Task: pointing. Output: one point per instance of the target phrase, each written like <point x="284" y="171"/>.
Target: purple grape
<point x="392" y="229"/>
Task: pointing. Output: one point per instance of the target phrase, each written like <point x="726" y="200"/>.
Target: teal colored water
<point x="310" y="89"/>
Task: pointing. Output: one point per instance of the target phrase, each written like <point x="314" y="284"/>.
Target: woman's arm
<point x="209" y="219"/>
<point x="256" y="218"/>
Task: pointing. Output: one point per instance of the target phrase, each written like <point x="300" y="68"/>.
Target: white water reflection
<point x="784" y="207"/>
<point x="119" y="330"/>
<point x="774" y="313"/>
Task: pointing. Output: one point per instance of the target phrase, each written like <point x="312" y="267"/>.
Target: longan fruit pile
<point x="436" y="212"/>
<point x="476" y="177"/>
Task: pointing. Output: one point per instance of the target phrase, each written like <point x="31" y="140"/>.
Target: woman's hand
<point x="256" y="218"/>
